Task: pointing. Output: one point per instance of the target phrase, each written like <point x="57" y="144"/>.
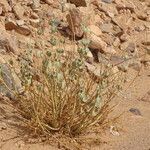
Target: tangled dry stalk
<point x="66" y="98"/>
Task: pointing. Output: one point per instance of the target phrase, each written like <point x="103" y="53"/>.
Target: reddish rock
<point x="7" y="42"/>
<point x="21" y="29"/>
<point x="87" y="15"/>
<point x="129" y="47"/>
<point x="107" y="28"/>
<point x="10" y="24"/>
<point x="74" y="21"/>
<point x="93" y="70"/>
<point x="24" y="30"/>
<point x="136" y="65"/>
<point x="97" y="43"/>
<point x="95" y="30"/>
<point x="34" y="15"/>
<point x="78" y="3"/>
<point x="49" y="2"/>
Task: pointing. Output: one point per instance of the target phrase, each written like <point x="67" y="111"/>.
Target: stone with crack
<point x="9" y="81"/>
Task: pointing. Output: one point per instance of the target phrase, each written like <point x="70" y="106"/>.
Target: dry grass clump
<point x="65" y="98"/>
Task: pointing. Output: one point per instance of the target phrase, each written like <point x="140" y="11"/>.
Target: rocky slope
<point x="116" y="32"/>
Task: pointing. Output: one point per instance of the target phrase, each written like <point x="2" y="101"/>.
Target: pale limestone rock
<point x="19" y="11"/>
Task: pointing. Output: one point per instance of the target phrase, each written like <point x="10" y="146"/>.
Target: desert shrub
<point x="60" y="96"/>
<point x="63" y="97"/>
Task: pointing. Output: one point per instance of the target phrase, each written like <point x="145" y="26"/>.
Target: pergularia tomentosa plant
<point x="66" y="98"/>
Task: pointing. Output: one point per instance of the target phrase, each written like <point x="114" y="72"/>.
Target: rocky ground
<point x="119" y="34"/>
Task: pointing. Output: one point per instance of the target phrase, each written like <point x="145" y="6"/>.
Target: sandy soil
<point x="135" y="134"/>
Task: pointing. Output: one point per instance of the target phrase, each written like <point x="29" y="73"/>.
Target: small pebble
<point x="3" y="126"/>
<point x="107" y="1"/>
<point x="135" y="111"/>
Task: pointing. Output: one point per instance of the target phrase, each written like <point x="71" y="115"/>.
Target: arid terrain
<point x="114" y="32"/>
